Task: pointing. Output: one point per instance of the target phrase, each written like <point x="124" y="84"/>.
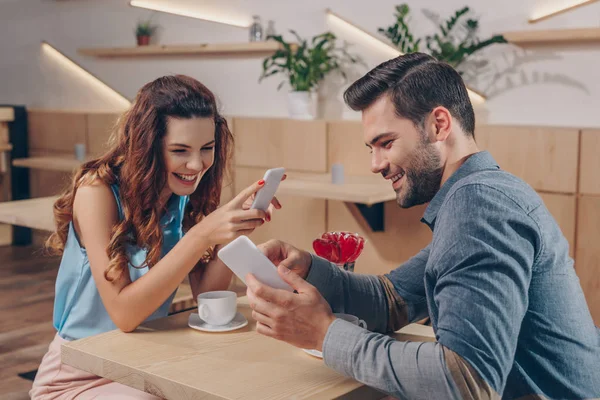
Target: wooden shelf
<point x="32" y="213"/>
<point x="554" y="37"/>
<point x="62" y="164"/>
<point x="356" y="189"/>
<point x="7" y="114"/>
<point x="5" y="147"/>
<point x="221" y="49"/>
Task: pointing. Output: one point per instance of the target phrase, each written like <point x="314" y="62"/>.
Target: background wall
<point x="552" y="86"/>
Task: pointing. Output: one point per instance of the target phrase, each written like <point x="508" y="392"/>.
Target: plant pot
<point x="302" y="105"/>
<point x="143" y="40"/>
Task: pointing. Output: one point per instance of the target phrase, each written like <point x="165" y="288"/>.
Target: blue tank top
<point x="78" y="308"/>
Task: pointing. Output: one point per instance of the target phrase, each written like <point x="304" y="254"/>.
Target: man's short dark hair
<point x="416" y="83"/>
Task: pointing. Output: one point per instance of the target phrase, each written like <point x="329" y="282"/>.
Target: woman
<point x="120" y="227"/>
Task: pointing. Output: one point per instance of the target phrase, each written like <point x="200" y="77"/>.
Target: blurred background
<point x="68" y="68"/>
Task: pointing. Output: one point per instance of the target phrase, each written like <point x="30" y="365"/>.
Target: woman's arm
<point x="210" y="276"/>
<point x="129" y="304"/>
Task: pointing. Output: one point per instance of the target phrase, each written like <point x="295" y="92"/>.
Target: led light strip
<point x="72" y="66"/>
<point x="388" y="48"/>
<point x="153" y="5"/>
<point x="549" y="12"/>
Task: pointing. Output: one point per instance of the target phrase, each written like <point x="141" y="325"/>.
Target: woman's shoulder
<point x="96" y="195"/>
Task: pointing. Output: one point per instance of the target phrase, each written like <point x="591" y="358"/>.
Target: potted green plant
<point x="144" y="31"/>
<point x="455" y="42"/>
<point x="305" y="65"/>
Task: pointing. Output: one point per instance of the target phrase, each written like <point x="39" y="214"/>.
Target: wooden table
<point x="167" y="358"/>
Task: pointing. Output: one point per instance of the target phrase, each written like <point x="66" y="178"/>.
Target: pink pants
<point x="55" y="380"/>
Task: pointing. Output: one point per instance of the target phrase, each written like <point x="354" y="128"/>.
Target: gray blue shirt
<point x="506" y="306"/>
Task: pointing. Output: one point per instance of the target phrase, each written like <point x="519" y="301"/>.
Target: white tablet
<point x="243" y="257"/>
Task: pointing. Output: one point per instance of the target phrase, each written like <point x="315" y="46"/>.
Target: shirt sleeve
<point x="408" y="281"/>
<point x="386" y="303"/>
<point x="347" y="292"/>
<point x="482" y="259"/>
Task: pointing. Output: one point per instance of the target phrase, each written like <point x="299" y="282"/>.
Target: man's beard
<point x="423" y="177"/>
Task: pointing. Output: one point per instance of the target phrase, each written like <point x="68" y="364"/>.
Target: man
<point x="496" y="280"/>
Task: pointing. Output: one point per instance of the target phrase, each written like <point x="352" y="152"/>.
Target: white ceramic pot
<point x="302" y="105"/>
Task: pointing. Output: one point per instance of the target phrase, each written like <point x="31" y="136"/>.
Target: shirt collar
<point x="172" y="210"/>
<point x="480" y="161"/>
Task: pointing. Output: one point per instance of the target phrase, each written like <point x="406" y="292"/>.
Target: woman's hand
<point x="232" y="220"/>
<point x="275" y="204"/>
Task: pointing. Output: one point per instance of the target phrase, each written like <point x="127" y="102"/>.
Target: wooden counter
<point x="355" y="189"/>
<point x="31" y="213"/>
<point x="62" y="164"/>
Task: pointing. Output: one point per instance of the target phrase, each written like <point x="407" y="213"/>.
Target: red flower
<point x="339" y="247"/>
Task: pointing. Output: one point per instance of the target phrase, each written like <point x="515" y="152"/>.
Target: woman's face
<point x="189" y="151"/>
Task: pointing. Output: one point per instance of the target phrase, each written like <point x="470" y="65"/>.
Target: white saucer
<point x="314" y="353"/>
<point x="195" y="322"/>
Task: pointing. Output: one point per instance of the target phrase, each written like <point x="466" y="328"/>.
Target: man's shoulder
<point x="496" y="186"/>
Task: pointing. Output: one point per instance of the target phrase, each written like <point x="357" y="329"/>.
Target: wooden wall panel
<point x="299" y="221"/>
<point x="544" y="157"/>
<point x="562" y="208"/>
<point x="99" y="127"/>
<point x="346" y="145"/>
<point x="228" y="189"/>
<point x="587" y="258"/>
<point x="5" y="230"/>
<point x="589" y="162"/>
<point x="404" y="235"/>
<point x="267" y="143"/>
<point x="44" y="183"/>
<point x="58" y="131"/>
<point x="4" y="138"/>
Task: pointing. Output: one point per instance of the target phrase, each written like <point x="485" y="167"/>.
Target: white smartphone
<point x="265" y="194"/>
<point x="243" y="257"/>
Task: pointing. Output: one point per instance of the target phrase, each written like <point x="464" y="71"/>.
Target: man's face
<point x="402" y="153"/>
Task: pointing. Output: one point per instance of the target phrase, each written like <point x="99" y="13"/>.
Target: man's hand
<point x="300" y="319"/>
<point x="281" y="253"/>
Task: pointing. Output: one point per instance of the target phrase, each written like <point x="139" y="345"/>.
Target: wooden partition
<point x="559" y="163"/>
<point x="587" y="257"/>
<point x="55" y="133"/>
<point x="346" y="145"/>
<point x="98" y="130"/>
<point x="589" y="180"/>
<point x="268" y="143"/>
<point x="299" y="146"/>
<point x="544" y="157"/>
<point x="6" y="116"/>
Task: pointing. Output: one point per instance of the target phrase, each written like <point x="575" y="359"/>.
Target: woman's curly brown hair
<point x="135" y="161"/>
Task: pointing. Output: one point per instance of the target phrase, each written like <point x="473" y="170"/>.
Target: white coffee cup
<point x="217" y="308"/>
<point x="353" y="319"/>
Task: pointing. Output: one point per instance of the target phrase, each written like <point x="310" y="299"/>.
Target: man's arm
<point x="482" y="267"/>
<point x="386" y="303"/>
